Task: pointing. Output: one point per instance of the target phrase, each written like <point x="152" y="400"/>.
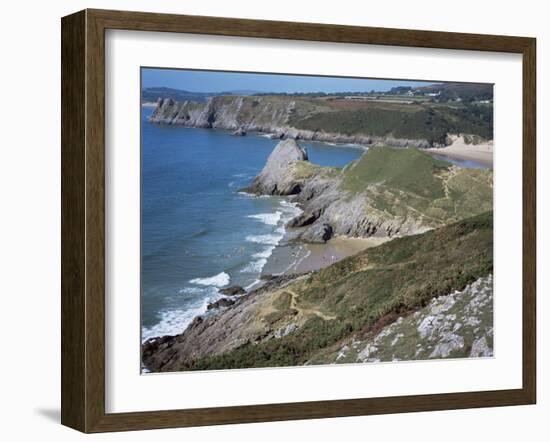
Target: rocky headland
<point x="386" y="193"/>
<point x="333" y="121"/>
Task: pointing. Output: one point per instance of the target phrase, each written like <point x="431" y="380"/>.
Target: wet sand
<point x="297" y="257"/>
<point x="318" y="256"/>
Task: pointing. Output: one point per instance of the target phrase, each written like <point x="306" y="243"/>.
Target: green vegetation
<point x="466" y="92"/>
<point x="410" y="171"/>
<point x="413" y="121"/>
<point x="418" y="185"/>
<point x="361" y="291"/>
<point x="428" y="115"/>
<point x="471" y="312"/>
<point x="303" y="170"/>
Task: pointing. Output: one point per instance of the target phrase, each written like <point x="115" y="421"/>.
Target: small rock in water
<point x="220" y="303"/>
<point x="240" y="132"/>
<point x="232" y="291"/>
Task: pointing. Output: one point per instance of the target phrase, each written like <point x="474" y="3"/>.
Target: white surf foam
<point x="219" y="280"/>
<point x="264" y="239"/>
<point x="255" y="266"/>
<point x="266" y="253"/>
<point x="191" y="290"/>
<point x="271" y="219"/>
<point x="173" y="322"/>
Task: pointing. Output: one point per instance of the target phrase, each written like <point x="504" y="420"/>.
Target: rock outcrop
<point x="221" y="303"/>
<point x="457" y="325"/>
<point x="240" y="132"/>
<point x="278" y="177"/>
<point x="234" y="326"/>
<point x="232" y="291"/>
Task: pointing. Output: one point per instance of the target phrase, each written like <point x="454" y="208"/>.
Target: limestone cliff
<point x="279" y="176"/>
<point x="278" y="116"/>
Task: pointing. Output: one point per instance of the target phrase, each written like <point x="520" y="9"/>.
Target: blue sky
<point x="212" y="81"/>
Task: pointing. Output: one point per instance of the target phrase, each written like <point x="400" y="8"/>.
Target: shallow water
<point x="467" y="164"/>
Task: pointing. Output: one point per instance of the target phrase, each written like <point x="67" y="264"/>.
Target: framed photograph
<point x="267" y="221"/>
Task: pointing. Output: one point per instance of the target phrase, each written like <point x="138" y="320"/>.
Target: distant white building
<point x="356" y="97"/>
<point x="410" y="93"/>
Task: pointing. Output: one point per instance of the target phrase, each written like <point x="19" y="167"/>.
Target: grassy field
<point x="410" y="171"/>
<point x="418" y="185"/>
<point x="360" y="293"/>
<point x="410" y="121"/>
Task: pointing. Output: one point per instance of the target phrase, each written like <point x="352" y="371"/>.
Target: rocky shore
<point x="259" y="114"/>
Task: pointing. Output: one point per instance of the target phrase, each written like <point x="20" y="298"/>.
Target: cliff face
<point x="279" y="176"/>
<point x="275" y="115"/>
<point x="387" y="192"/>
<point x="224" y="112"/>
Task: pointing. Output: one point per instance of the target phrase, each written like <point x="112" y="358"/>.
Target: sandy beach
<point x="317" y="256"/>
<point x="481" y="153"/>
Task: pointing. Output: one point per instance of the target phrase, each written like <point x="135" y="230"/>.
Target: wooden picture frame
<point x="83" y="220"/>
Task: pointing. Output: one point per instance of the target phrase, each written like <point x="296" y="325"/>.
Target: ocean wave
<point x="255" y="266"/>
<point x="271" y="219"/>
<point x="264" y="239"/>
<point x="191" y="290"/>
<point x="266" y="253"/>
<point x="220" y="280"/>
<point x="173" y="322"/>
<point x="290" y="207"/>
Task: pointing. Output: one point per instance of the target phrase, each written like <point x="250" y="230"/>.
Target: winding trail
<point x="294" y="305"/>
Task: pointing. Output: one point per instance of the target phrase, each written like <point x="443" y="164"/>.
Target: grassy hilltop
<point x="418" y="184"/>
<point x="386" y="192"/>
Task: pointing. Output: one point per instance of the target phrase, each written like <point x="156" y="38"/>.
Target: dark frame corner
<point x="83" y="217"/>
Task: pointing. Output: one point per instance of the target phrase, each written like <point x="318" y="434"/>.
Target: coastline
<point x="318" y="256"/>
<point x="284" y="255"/>
<point x="481" y="153"/>
<point x="296" y="257"/>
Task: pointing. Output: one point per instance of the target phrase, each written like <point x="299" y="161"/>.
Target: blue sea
<point x="198" y="232"/>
